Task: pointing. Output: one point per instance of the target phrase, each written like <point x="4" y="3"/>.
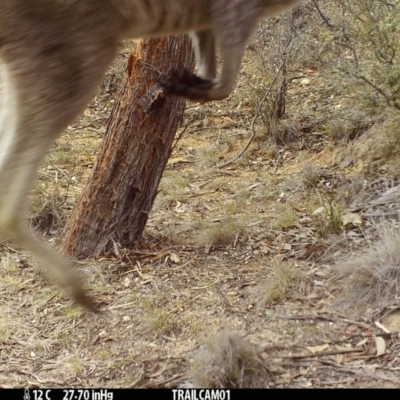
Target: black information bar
<point x="160" y="394"/>
<point x="116" y="394"/>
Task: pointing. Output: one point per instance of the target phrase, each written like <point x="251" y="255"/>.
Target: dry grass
<point x="334" y="214"/>
<point x="372" y="277"/>
<point x="352" y="192"/>
<point x="310" y="175"/>
<point x="281" y="279"/>
<point x="285" y="217"/>
<point x="219" y="233"/>
<point x="207" y="156"/>
<point x="226" y="360"/>
<point x="173" y="187"/>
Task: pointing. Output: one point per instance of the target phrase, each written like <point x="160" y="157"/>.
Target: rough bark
<point x="116" y="201"/>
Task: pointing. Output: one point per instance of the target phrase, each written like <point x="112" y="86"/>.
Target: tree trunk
<point x="116" y="202"/>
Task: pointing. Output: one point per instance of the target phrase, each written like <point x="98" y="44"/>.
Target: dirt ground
<point x="244" y="249"/>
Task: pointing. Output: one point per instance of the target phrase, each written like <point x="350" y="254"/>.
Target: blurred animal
<point x="54" y="53"/>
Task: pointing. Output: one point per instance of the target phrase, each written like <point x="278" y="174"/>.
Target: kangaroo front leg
<point x="232" y="39"/>
<point x="204" y="48"/>
<point x="232" y="43"/>
<point x="194" y="86"/>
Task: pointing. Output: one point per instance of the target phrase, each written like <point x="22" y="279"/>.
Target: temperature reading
<point x="40" y="395"/>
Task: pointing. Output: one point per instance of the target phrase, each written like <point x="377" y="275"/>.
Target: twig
<point x="179" y="137"/>
<point x="330" y="319"/>
<point x="277" y="162"/>
<point x="324" y="18"/>
<point x="319" y="354"/>
<point x="89" y="125"/>
<point x="365" y="374"/>
<point x="175" y="309"/>
<point x="388" y="98"/>
<point x="383" y="214"/>
<point x="257" y="113"/>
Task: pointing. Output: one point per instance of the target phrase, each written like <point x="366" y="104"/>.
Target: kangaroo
<point x="53" y="55"/>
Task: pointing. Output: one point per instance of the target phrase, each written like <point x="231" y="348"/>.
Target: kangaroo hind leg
<point x="42" y="94"/>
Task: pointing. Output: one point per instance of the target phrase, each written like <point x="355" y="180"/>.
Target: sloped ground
<point x="249" y="248"/>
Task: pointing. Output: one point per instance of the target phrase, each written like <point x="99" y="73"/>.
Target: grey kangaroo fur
<point x="53" y="54"/>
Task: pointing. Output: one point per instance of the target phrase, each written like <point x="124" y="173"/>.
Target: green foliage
<point x="352" y="45"/>
<point x="364" y="42"/>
